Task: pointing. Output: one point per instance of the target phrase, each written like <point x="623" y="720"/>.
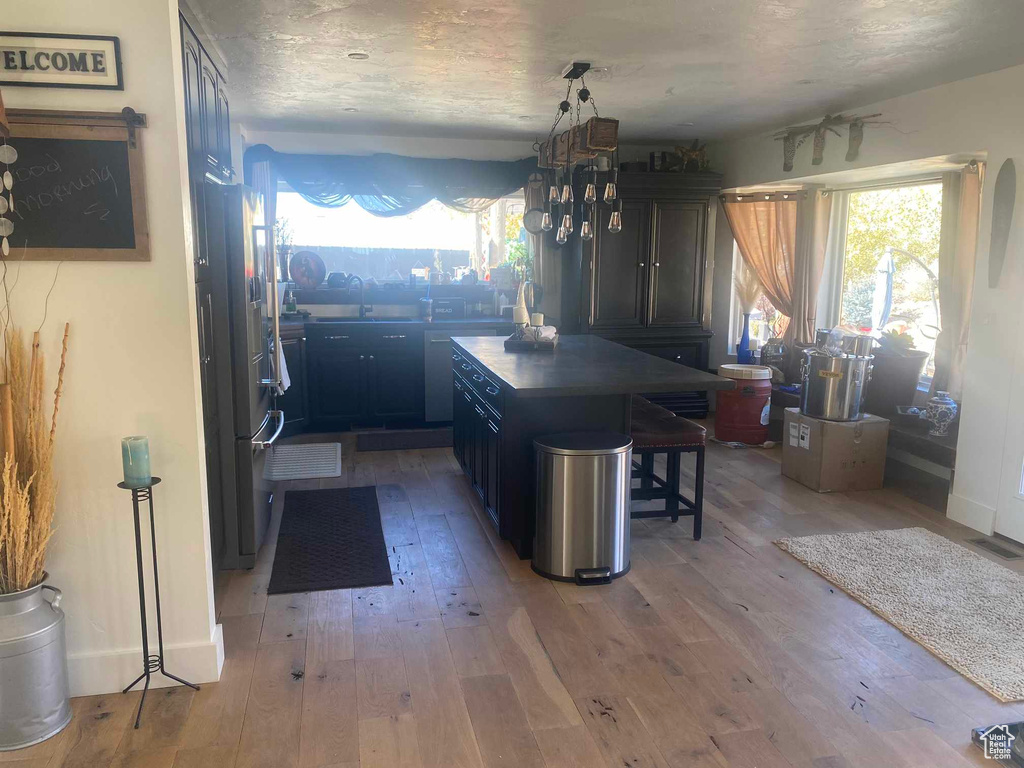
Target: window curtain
<point x="392" y="185"/>
<point x="961" y="206"/>
<point x="783" y="242"/>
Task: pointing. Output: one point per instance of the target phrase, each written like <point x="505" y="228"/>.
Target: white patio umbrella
<point x="881" y="301"/>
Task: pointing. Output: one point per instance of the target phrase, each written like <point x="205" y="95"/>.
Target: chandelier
<point x="580" y="144"/>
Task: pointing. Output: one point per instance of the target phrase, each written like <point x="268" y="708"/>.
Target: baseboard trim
<point x="971" y="513"/>
<point x="110" y="671"/>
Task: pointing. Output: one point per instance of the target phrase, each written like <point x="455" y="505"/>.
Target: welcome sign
<point x="60" y="61"/>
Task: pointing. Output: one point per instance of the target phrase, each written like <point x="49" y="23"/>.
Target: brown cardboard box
<point x="834" y="455"/>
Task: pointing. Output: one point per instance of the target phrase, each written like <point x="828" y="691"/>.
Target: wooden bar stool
<point x="657" y="430"/>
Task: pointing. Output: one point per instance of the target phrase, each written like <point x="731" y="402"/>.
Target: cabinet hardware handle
<point x="477" y="377"/>
<point x="466" y="367"/>
<point x="657" y="263"/>
<point x="492" y="391"/>
<point x="640" y="264"/>
<point x="361" y="357"/>
<point x="394" y="336"/>
<point x="371" y="357"/>
<point x="335" y="338"/>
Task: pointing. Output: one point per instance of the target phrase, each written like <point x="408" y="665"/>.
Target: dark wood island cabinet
<point x="503" y="400"/>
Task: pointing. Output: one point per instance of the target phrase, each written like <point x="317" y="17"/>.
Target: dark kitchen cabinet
<point x="395" y="382"/>
<point x="477" y="433"/>
<point x="295" y="400"/>
<point x="677" y="269"/>
<point x="337" y="383"/>
<point x="207" y="110"/>
<point x="492" y="456"/>
<point x="649" y="285"/>
<point x="618" y="276"/>
<point x="223" y="130"/>
<point x="205" y="97"/>
<point x="362" y="375"/>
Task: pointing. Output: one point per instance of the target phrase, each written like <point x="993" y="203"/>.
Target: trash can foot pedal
<point x="587" y="576"/>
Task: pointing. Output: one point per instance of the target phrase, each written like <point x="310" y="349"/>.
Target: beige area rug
<point x="965" y="609"/>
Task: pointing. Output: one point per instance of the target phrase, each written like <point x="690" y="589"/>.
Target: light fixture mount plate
<point x="576" y="70"/>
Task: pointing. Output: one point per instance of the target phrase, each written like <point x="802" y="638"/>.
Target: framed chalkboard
<point x="79" y="187"/>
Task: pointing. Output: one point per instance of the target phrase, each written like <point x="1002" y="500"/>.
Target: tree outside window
<point x="907" y="218"/>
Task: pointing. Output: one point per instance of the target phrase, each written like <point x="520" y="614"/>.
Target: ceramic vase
<point x="940" y="412"/>
<point x="743" y="353"/>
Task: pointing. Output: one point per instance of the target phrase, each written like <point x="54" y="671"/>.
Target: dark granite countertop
<point x="391" y="320"/>
<point x="585" y="365"/>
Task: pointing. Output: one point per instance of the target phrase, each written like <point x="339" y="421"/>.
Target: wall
<point x="131" y="370"/>
<point x="981" y="114"/>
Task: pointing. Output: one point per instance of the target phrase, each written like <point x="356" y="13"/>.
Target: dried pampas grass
<point x="748" y="288"/>
<point x="28" y="487"/>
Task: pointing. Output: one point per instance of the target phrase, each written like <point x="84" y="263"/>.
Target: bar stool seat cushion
<point x="642" y="406"/>
<point x="652" y="431"/>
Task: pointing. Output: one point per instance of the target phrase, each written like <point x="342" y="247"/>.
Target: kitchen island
<point x="503" y="400"/>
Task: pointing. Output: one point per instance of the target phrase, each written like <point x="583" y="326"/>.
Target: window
<point x="766" y="321"/>
<point x="433" y="238"/>
<point x="897" y="289"/>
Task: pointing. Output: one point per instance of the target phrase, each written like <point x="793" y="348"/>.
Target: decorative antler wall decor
<point x="793" y="137"/>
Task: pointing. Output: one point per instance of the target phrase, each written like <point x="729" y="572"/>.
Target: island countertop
<point x="584" y="365"/>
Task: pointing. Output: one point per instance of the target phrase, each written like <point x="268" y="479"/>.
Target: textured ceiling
<point x="492" y="69"/>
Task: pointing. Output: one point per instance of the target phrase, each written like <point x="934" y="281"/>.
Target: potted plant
<point x="33" y="667"/>
<point x="896" y="369"/>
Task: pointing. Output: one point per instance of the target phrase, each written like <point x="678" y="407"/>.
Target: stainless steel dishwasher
<point x="582" y="531"/>
<point x="437" y="371"/>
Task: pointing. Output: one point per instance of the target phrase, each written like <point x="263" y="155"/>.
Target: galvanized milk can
<point x="34" y="702"/>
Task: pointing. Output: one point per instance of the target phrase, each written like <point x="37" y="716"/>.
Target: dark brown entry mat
<point x="404" y="439"/>
<point x="330" y="539"/>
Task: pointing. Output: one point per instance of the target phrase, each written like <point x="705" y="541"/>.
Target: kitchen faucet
<point x="363" y="308"/>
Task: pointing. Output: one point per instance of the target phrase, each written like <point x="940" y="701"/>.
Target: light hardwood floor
<point x="723" y="652"/>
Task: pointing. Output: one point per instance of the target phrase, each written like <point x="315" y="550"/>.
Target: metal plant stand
<point x="150" y="662"/>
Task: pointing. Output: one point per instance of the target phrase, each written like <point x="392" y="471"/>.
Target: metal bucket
<point x="34" y="701"/>
<point x="833" y="385"/>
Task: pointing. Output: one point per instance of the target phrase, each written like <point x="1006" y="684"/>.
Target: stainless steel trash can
<point x="582" y="531"/>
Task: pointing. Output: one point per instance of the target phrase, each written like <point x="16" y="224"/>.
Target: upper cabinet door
<point x="211" y="116"/>
<point x="618" y="270"/>
<point x="677" y="268"/>
<point x="190" y="57"/>
<point x="224" y="129"/>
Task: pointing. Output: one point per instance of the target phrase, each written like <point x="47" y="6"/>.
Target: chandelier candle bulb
<point x="615" y="222"/>
<point x="545" y="222"/>
<point x="553" y="194"/>
<point x="590" y="196"/>
<point x="567" y="196"/>
<point x="567" y="222"/>
<point x="561" y="237"/>
<point x="586" y="230"/>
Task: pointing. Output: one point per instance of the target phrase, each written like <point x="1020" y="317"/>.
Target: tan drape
<point x="961" y="205"/>
<point x="783" y="241"/>
<point x="765" y="233"/>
